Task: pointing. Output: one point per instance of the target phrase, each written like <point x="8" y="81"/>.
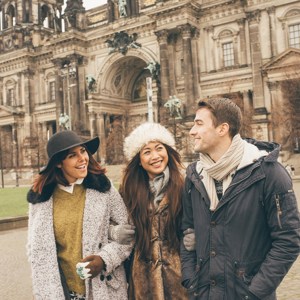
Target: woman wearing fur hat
<point x="151" y="189"/>
<point x="71" y="206"/>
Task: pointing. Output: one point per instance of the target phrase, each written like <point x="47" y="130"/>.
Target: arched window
<point x="227" y="48"/>
<point x="291" y="27"/>
<point x="47" y="16"/>
<point x="10" y="88"/>
<point x="10" y="16"/>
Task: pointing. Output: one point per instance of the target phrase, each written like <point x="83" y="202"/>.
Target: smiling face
<point x="154" y="158"/>
<point x="206" y="135"/>
<point x="75" y="165"/>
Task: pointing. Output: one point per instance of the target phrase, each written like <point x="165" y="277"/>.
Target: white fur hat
<point x="144" y="134"/>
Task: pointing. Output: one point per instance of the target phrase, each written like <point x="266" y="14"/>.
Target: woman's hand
<point x="96" y="264"/>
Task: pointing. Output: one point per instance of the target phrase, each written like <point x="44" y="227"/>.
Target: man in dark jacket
<point x="240" y="204"/>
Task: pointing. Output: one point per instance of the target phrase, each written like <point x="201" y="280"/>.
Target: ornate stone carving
<point x="162" y="36"/>
<point x="253" y="17"/>
<point x="154" y="69"/>
<point x="122" y="41"/>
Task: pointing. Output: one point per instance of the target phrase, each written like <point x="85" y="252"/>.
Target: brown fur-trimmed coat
<point x="160" y="278"/>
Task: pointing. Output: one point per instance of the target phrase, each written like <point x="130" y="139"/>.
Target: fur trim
<point x="144" y="134"/>
<point x="98" y="182"/>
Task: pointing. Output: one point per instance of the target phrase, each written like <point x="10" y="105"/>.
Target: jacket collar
<point x="98" y="182"/>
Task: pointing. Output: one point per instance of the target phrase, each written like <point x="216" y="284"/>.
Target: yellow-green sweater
<point x="68" y="218"/>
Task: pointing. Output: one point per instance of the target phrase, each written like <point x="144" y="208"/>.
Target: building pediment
<point x="287" y="59"/>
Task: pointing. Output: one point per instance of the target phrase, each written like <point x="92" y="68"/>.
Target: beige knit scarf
<point x="220" y="170"/>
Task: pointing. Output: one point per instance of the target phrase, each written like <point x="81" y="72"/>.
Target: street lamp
<point x="15" y="142"/>
<point x="149" y="99"/>
<point x="1" y="159"/>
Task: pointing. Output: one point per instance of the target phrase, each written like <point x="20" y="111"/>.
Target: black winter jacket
<point x="247" y="245"/>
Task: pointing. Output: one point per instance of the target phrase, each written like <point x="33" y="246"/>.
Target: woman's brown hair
<point x="136" y="194"/>
<point x="54" y="175"/>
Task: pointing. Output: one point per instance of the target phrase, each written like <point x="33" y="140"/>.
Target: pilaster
<point x="254" y="19"/>
<point x="186" y="33"/>
<point x="101" y="133"/>
<point x="162" y="37"/>
<point x="243" y="43"/>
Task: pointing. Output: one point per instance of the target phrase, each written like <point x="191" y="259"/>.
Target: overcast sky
<point x="93" y="3"/>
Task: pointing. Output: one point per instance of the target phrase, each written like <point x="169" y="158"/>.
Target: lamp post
<point x="1" y="159"/>
<point x="15" y="142"/>
<point x="149" y="99"/>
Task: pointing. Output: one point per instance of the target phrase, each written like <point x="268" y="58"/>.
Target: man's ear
<point x="223" y="129"/>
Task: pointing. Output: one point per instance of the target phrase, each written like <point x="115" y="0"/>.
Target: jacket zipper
<point x="279" y="211"/>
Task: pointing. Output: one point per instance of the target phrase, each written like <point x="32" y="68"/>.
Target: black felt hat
<point x="65" y="140"/>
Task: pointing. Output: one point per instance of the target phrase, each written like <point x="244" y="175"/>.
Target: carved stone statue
<point x="174" y="106"/>
<point x="91" y="83"/>
<point x="64" y="121"/>
<point x="122" y="8"/>
<point x="154" y="69"/>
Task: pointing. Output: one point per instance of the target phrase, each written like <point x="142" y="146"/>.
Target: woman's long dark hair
<point x="54" y="175"/>
<point x="136" y="193"/>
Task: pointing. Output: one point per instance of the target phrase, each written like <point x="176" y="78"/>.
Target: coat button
<point x="201" y="177"/>
<point x="102" y="277"/>
<point x="108" y="278"/>
<point x="100" y="245"/>
<point x="213" y="282"/>
<point x="213" y="253"/>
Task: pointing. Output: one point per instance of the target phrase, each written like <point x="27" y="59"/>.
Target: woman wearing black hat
<point x="71" y="206"/>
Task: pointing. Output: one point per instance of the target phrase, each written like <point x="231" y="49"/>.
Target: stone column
<point x="162" y="37"/>
<point x="195" y="64"/>
<point x="265" y="36"/>
<point x="59" y="95"/>
<point x="81" y="85"/>
<point x="101" y="153"/>
<point x="256" y="58"/>
<point x="187" y="67"/>
<point x="210" y="57"/>
<point x="243" y="43"/>
<point x="202" y="55"/>
<point x="27" y="76"/>
<point x="277" y="129"/>
<point x="172" y="74"/>
<point x="92" y="124"/>
<point x="271" y="12"/>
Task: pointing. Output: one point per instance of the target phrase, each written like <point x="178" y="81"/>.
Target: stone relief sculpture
<point x="174" y="106"/>
<point x="122" y="41"/>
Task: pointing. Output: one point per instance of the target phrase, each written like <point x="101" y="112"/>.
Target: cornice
<point x="165" y="9"/>
<point x="213" y="17"/>
<point x="15" y="63"/>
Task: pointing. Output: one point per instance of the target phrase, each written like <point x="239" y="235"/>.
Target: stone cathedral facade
<point x="86" y="70"/>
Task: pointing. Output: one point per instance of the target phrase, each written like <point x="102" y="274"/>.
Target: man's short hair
<point x="223" y="110"/>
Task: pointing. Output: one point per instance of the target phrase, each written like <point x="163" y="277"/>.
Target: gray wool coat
<point x="100" y="209"/>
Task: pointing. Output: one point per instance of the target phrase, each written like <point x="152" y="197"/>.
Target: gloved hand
<point x="189" y="239"/>
<point x="122" y="234"/>
<point x="94" y="266"/>
<point x="82" y="271"/>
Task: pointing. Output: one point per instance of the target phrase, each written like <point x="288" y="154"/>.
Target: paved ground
<point x="15" y="281"/>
